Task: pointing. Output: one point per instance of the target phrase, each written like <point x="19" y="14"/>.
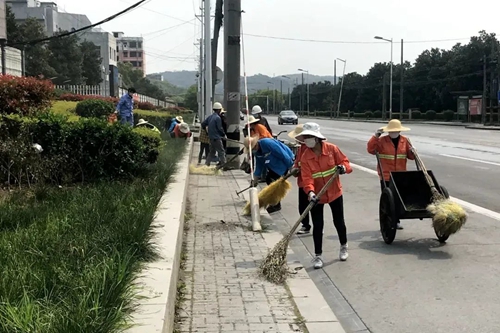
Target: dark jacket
<point x="264" y="122"/>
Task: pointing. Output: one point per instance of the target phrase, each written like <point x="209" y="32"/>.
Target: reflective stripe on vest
<point x="324" y="173"/>
<point x="391" y="157"/>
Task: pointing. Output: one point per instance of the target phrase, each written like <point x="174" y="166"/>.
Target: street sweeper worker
<point x="318" y="163"/>
<point x="181" y="131"/>
<point x="303" y="199"/>
<point x="143" y="123"/>
<point x="213" y="125"/>
<point x="257" y="113"/>
<point x="257" y="129"/>
<point x="393" y="149"/>
<point x="272" y="155"/>
<point x="174" y="122"/>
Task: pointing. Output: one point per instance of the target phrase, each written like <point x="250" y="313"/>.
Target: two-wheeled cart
<point x="406" y="197"/>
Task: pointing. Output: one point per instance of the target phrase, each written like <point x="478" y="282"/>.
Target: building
<point x="13" y="62"/>
<point x="156" y="77"/>
<point x="48" y="14"/>
<point x="131" y="50"/>
<point x="106" y="43"/>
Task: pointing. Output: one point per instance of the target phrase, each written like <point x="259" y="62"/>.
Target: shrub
<point x="416" y="114"/>
<point x="377" y="114"/>
<point x="368" y="114"/>
<point x="448" y="115"/>
<point x="146" y="106"/>
<point x="430" y="115"/>
<point x="152" y="143"/>
<point x="25" y="96"/>
<point x="94" y="108"/>
<point x="78" y="98"/>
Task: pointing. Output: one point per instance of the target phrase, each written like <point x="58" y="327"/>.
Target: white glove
<point x="312" y="196"/>
<point x="378" y="133"/>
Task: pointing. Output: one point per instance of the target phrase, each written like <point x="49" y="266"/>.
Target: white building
<point x="13" y="62"/>
<point x="131" y="50"/>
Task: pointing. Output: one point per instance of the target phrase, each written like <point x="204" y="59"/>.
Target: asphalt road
<point x="465" y="161"/>
<point x="416" y="284"/>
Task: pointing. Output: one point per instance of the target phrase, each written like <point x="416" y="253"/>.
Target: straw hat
<point x="394" y="126"/>
<point x="184" y="128"/>
<point x="141" y="121"/>
<point x="252" y="120"/>
<point x="296" y="131"/>
<point x="179" y="119"/>
<point x="311" y="129"/>
<point x="250" y="142"/>
<point x="223" y="111"/>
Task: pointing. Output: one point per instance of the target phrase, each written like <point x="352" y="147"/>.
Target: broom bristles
<point x="274" y="267"/>
<point x="271" y="195"/>
<point x="204" y="170"/>
<point x="448" y="217"/>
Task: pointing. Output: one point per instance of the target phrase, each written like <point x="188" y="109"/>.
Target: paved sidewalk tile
<point x="223" y="292"/>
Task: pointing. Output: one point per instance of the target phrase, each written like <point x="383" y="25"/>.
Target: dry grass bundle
<point x="447" y="216"/>
<point x="271" y="195"/>
<point x="204" y="170"/>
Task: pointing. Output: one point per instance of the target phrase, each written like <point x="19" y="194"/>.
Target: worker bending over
<point x="393" y="150"/>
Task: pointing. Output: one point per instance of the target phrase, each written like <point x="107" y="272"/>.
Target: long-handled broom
<point x="448" y="217"/>
<point x="273" y="193"/>
<point x="274" y="268"/>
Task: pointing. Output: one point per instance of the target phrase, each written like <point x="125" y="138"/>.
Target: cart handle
<point x="380" y="168"/>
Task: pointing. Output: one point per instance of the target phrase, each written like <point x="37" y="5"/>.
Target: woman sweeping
<point x="318" y="163"/>
<point x="303" y="200"/>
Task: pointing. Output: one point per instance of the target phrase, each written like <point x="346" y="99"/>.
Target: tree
<point x="91" y="63"/>
<point x="191" y="98"/>
<point x="13" y="29"/>
<point x="132" y="77"/>
<point x="36" y="55"/>
<point x="66" y="59"/>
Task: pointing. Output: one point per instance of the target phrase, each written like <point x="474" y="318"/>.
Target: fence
<point x="97" y="90"/>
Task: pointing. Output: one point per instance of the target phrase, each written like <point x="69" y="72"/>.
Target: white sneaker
<point x="317" y="262"/>
<point x="343" y="255"/>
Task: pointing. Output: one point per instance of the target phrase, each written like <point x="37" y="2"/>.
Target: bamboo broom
<point x="274" y="268"/>
<point x="448" y="217"/>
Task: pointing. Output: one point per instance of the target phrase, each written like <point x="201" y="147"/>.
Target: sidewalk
<point x="222" y="290"/>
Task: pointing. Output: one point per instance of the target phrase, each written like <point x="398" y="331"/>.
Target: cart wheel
<point x="387" y="216"/>
<point x="441" y="238"/>
<point x="444" y="191"/>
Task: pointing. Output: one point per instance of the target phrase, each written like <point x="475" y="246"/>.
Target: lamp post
<point x="307" y="82"/>
<point x="390" y="81"/>
<point x="289" y="94"/>
<point x="274" y="99"/>
<point x="341" y="86"/>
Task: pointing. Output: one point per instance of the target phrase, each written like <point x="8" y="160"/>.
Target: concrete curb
<point x="312" y="306"/>
<point x="158" y="280"/>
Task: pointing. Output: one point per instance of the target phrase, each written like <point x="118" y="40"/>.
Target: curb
<point x="310" y="303"/>
<point x="157" y="282"/>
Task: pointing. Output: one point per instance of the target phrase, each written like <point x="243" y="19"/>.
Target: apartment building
<point x="131" y="50"/>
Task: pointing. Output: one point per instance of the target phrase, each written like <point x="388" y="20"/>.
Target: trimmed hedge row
<point x="81" y="151"/>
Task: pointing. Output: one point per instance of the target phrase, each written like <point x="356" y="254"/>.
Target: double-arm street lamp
<point x="390" y="84"/>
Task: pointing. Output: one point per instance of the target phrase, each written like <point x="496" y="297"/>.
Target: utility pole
<point x="281" y="95"/>
<point x="208" y="60"/>
<point x="232" y="74"/>
<point x="401" y="89"/>
<point x="384" y="97"/>
<point x="289" y="99"/>
<point x="335" y="72"/>
<point x="3" y="35"/>
<point x="200" y="82"/>
<point x="483" y="100"/>
<point x="302" y="94"/>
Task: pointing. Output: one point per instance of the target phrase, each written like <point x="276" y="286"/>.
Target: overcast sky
<point x="428" y="24"/>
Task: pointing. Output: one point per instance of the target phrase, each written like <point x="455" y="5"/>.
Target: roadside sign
<point x="219" y="75"/>
<point x="233" y="96"/>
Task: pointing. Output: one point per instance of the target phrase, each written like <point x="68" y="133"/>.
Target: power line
<point x="166" y="29"/>
<point x="69" y="33"/>
<point x="353" y="42"/>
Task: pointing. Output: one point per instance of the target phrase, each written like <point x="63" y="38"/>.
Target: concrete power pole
<point x="232" y="75"/>
<point x="208" y="60"/>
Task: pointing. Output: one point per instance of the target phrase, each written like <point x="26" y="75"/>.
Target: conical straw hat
<point x="394" y="126"/>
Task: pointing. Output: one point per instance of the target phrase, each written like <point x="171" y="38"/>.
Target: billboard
<point x="3" y="23"/>
<point x="462" y="105"/>
<point x="475" y="106"/>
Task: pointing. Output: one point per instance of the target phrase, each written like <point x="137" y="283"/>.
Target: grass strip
<point x="69" y="256"/>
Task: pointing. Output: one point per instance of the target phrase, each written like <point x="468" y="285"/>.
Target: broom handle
<point x="311" y="205"/>
<point x="429" y="179"/>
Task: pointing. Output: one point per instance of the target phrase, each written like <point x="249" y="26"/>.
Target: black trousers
<point x="303" y="203"/>
<point x="337" y="207"/>
<point x="204" y="150"/>
<point x="271" y="176"/>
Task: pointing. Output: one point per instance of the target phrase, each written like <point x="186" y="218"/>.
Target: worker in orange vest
<point x="319" y="161"/>
<point x="393" y="149"/>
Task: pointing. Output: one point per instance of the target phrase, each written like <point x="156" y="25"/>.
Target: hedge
<point x="94" y="108"/>
<point x="81" y="151"/>
<point x="25" y="96"/>
<point x="79" y="98"/>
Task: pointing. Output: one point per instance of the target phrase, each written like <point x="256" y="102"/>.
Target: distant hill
<point x="184" y="79"/>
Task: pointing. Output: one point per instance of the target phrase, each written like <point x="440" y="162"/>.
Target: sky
<point x="346" y="30"/>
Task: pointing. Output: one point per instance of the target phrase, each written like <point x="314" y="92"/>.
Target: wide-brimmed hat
<point x="141" y="121"/>
<point x="311" y="129"/>
<point x="296" y="131"/>
<point x="250" y="142"/>
<point x="184" y="128"/>
<point x="179" y="119"/>
<point x="223" y="111"/>
<point x="394" y="126"/>
<point x="252" y="120"/>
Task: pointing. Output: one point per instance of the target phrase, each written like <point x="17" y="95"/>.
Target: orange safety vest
<point x="317" y="170"/>
<point x="296" y="164"/>
<point x="261" y="131"/>
<point x="391" y="159"/>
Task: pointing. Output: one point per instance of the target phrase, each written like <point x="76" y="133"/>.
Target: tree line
<point x="433" y="82"/>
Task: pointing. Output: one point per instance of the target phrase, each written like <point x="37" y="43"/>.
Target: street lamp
<point x="289" y="94"/>
<point x="307" y="81"/>
<point x="390" y="84"/>
<point x="274" y="91"/>
<point x="341" y="86"/>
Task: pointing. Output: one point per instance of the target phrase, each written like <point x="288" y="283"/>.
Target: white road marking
<point x="465" y="204"/>
<point x="440" y="132"/>
<point x="470" y="159"/>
